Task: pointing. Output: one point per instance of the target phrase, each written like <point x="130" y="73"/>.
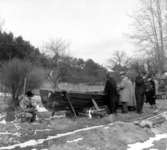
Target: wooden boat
<point x="75" y="101"/>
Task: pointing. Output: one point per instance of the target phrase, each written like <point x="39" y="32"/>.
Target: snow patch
<point x="9" y="133"/>
<point x="147" y="144"/>
<point x="41" y="109"/>
<point x="36" y="97"/>
<point x="164" y="114"/>
<point x="5" y="94"/>
<point x="2" y="116"/>
<point x="106" y="128"/>
<point x="41" y="130"/>
<point x="75" y="140"/>
<point x="3" y="121"/>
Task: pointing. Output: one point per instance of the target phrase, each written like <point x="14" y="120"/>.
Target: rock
<point x="146" y="123"/>
<point x="152" y="121"/>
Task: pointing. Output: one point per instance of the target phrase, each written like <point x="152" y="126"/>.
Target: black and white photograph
<point x="83" y="74"/>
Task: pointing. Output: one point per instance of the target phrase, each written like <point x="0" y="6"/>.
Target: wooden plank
<point x="95" y="104"/>
<point x="70" y="104"/>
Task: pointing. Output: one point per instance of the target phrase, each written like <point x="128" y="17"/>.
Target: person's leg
<point x="149" y="98"/>
<point x="154" y="102"/>
<point x="124" y="107"/>
<point x="137" y="103"/>
<point x="141" y="102"/>
<point x="109" y="104"/>
<point x="114" y="104"/>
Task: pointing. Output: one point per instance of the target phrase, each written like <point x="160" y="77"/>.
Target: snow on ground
<point x="41" y="109"/>
<point x="147" y="144"/>
<point x="3" y="121"/>
<point x="8" y="133"/>
<point x="79" y="134"/>
<point x="5" y="94"/>
<point x="2" y="115"/>
<point x="75" y="140"/>
<point x="115" y="135"/>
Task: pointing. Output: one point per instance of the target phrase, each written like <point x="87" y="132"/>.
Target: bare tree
<point x="150" y="34"/>
<point x="119" y="58"/>
<point x="58" y="48"/>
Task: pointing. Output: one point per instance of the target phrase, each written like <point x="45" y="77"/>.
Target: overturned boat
<point x="73" y="101"/>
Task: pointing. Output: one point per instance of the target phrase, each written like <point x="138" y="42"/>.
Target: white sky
<point x="95" y="28"/>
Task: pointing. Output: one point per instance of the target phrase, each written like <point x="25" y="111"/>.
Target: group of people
<point x="127" y="93"/>
<point x="130" y="94"/>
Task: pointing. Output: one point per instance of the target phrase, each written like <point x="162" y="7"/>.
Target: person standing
<point x="139" y="93"/>
<point x="111" y="93"/>
<point x="124" y="92"/>
<point x="151" y="93"/>
<point x="132" y="99"/>
<point x="156" y="85"/>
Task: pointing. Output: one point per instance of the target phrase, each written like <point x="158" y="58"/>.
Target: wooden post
<point x="70" y="104"/>
<point x="95" y="104"/>
<point x="24" y="86"/>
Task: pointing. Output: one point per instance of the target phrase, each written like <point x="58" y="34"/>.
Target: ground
<point x="108" y="133"/>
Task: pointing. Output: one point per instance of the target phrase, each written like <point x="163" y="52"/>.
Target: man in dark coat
<point x="111" y="93"/>
<point x="139" y="92"/>
<point x="151" y="92"/>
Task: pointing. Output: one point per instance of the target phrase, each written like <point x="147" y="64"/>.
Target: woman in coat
<point x="125" y="92"/>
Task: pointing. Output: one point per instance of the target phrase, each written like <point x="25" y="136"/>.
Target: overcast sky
<point x="94" y="28"/>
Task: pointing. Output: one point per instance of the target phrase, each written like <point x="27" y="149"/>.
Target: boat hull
<point x="59" y="100"/>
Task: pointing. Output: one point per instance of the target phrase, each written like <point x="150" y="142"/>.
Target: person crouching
<point x="28" y="110"/>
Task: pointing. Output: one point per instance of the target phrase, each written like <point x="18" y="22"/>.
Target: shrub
<point x="13" y="76"/>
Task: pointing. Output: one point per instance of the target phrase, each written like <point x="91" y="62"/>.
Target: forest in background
<point x="61" y="66"/>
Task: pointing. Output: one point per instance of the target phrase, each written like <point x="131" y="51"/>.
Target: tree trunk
<point x="159" y="15"/>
